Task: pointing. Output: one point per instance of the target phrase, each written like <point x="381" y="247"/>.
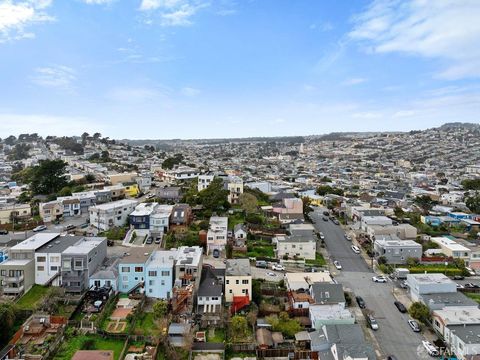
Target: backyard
<point x="215" y="335"/>
<point x="88" y="342"/>
<point x="319" y="261"/>
<point x="260" y="248"/>
<point x="32" y="299"/>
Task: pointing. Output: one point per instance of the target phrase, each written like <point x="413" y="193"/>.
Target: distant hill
<point x="459" y="125"/>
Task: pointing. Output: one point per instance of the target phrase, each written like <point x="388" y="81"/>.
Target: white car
<point x="322" y="237"/>
<point x="348" y="237"/>
<point x="271" y="274"/>
<point x="431" y="349"/>
<point x="355" y="249"/>
<point x="337" y="265"/>
<point x="460" y="286"/>
<point x="278" y="267"/>
<point x="40" y="228"/>
<point x="379" y="279"/>
<point x="470" y="271"/>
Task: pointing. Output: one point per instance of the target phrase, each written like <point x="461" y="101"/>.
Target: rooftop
<point x="137" y="255"/>
<point x="163" y="258"/>
<point x="189" y="255"/>
<point x="84" y="245"/>
<point x="36" y="241"/>
<point x="59" y="244"/>
<point x="238" y="267"/>
<point x="468" y="333"/>
<point x="435" y="278"/>
<point x="115" y="204"/>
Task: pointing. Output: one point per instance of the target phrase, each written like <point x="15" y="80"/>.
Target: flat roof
<point x="137" y="255"/>
<point x="189" y="255"/>
<point x="36" y="241"/>
<point x="115" y="204"/>
<point x="14" y="262"/>
<point x="84" y="245"/>
<point x="144" y="209"/>
<point x="431" y="278"/>
<point x="163" y="258"/>
<point x="59" y="244"/>
<point x="238" y="267"/>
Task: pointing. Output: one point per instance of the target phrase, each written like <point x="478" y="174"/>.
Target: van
<point x="261" y="264"/>
<point x="431" y="349"/>
<point x="70" y="227"/>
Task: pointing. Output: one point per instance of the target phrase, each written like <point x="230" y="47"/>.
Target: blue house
<point x="140" y="217"/>
<point x="150" y="270"/>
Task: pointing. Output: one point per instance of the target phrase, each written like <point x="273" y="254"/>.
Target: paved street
<point x="394" y="335"/>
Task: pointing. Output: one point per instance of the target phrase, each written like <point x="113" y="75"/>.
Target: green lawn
<point x="473" y="296"/>
<point x="319" y="261"/>
<point x="32" y="298"/>
<point x="145" y="324"/>
<point x="70" y="346"/>
<point x="218" y="337"/>
<point x="235" y="219"/>
<point x="257" y="250"/>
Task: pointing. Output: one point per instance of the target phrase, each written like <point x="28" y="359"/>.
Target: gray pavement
<point x="394" y="336"/>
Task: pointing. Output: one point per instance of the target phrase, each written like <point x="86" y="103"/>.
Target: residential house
<point x="453" y="249"/>
<point x="238" y="279"/>
<point x="160" y="220"/>
<point x="439" y="301"/>
<point x="181" y="216"/>
<point x="178" y="333"/>
<point x="144" y="182"/>
<point x="209" y="297"/>
<point x="188" y="266"/>
<point x="234" y="185"/>
<point x="106" y="276"/>
<point x="420" y="284"/>
<point x="51" y="211"/>
<point x="454" y="315"/>
<point x="397" y="251"/>
<point x="80" y="261"/>
<point x="140" y="218"/>
<point x="302" y="281"/>
<point x="329" y="305"/>
<point x="48" y="260"/>
<point x="17" y="273"/>
<point x="172" y="193"/>
<point x="402" y="231"/>
<point x="240" y="234"/>
<point x="463" y="340"/>
<point x="217" y="234"/>
<point x="117" y="192"/>
<point x="131" y="189"/>
<point x="204" y="181"/>
<point x="297" y="245"/>
<point x="119" y="178"/>
<point x="109" y="215"/>
<point x="9" y="213"/>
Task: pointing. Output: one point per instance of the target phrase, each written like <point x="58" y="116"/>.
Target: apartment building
<point x="235" y="189"/>
<point x="109" y="215"/>
<point x="17" y="273"/>
<point x="217" y="234"/>
<point x="299" y="246"/>
<point x="140" y="218"/>
<point x="188" y="266"/>
<point x="80" y="261"/>
<point x="422" y="284"/>
<point x="238" y="279"/>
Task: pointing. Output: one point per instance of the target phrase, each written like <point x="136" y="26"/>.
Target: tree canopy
<point x="46" y="178"/>
<point x="471" y="184"/>
<point x="248" y="202"/>
<point x="473" y="202"/>
<point x="327" y="189"/>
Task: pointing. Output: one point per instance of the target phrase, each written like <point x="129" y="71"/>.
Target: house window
<point x="237" y="282"/>
<point x="54" y="258"/>
<point x="162" y="282"/>
<point x="227" y="282"/>
<point x="151" y="282"/>
<point x="230" y="291"/>
<point x="300" y="306"/>
<point x="125" y="269"/>
<point x="96" y="283"/>
<point x="66" y="264"/>
<point x="138" y="269"/>
<point x="41" y="259"/>
<point x="40" y="268"/>
<point x="165" y="273"/>
<point x="53" y="268"/>
<point x="244" y="282"/>
<point x="244" y="291"/>
<point x="78" y="264"/>
<point x="152" y="273"/>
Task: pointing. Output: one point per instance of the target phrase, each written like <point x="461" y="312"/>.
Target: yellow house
<point x="131" y="189"/>
<point x="14" y="211"/>
<point x="238" y="279"/>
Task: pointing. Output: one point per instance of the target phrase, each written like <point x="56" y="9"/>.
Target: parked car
<point x="372" y="322"/>
<point x="149" y="240"/>
<point x="39" y="228"/>
<point x="460" y="286"/>
<point x="311" y="269"/>
<point x="326" y="213"/>
<point x="379" y="279"/>
<point x="272" y="274"/>
<point x="400" y="306"/>
<point x="337" y="265"/>
<point x="391" y="357"/>
<point x="458" y="277"/>
<point x="70" y="227"/>
<point x="335" y="221"/>
<point x="414" y="325"/>
<point x="348" y="237"/>
<point x="3" y="232"/>
<point x="470" y="271"/>
<point x="278" y="267"/>
<point x="325" y="218"/>
<point x="360" y="302"/>
<point x="216" y="253"/>
<point x="158" y="240"/>
<point x="432" y="350"/>
<point x="150" y="196"/>
<point x="355" y="249"/>
<point x="261" y="264"/>
<point x="110" y="242"/>
<point x="471" y="286"/>
<point x="322" y="237"/>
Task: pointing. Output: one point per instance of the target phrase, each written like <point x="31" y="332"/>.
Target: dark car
<point x="391" y="357"/>
<point x="335" y="221"/>
<point x="360" y="302"/>
<point x="325" y="218"/>
<point x="400" y="307"/>
<point x="326" y="213"/>
<point x="3" y="232"/>
<point x="458" y="277"/>
<point x="216" y="253"/>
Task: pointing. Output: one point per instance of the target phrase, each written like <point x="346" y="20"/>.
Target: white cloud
<point x="57" y="76"/>
<point x="17" y="17"/>
<point x="136" y="94"/>
<point x="354" y="81"/>
<point x="190" y="91"/>
<point x="172" y="12"/>
<point x="13" y="123"/>
<point x="448" y="30"/>
<point x="278" y="121"/>
<point x="98" y="2"/>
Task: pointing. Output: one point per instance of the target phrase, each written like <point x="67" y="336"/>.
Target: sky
<point x="163" y="69"/>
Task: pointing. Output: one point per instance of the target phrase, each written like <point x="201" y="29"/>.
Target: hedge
<point x="439" y="269"/>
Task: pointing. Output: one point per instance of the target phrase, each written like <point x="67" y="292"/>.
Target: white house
<point x="204" y="181"/>
<point x="109" y="215"/>
<point x="420" y="284"/>
<point x="217" y="234"/>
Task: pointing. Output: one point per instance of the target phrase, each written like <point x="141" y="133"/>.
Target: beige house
<point x="115" y="179"/>
<point x="235" y="188"/>
<point x="238" y="279"/>
<point x="51" y="210"/>
<point x="453" y="249"/>
<point x="7" y="212"/>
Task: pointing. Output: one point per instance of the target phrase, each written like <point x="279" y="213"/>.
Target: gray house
<point x="80" y="261"/>
<point x="397" y="251"/>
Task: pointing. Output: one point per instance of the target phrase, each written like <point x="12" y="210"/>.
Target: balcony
<point x="13" y="290"/>
<point x="13" y="279"/>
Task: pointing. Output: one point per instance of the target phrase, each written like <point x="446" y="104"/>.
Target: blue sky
<point x="224" y="68"/>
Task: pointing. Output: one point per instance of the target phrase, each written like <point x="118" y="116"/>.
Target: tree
<point x="90" y="178"/>
<point x="97" y="136"/>
<point x="48" y="177"/>
<point x="19" y="152"/>
<point x="10" y="140"/>
<point x="239" y="326"/>
<point x="248" y="202"/>
<point x="327" y="189"/>
<point x="399" y="213"/>
<point x="424" y="202"/>
<point x="420" y="312"/>
<point x="8" y="315"/>
<point x="473" y="202"/>
<point x="283" y="323"/>
<point x="84" y="138"/>
<point x="471" y="184"/>
<point x="65" y="191"/>
<point x="214" y="197"/>
<point x="160" y="309"/>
